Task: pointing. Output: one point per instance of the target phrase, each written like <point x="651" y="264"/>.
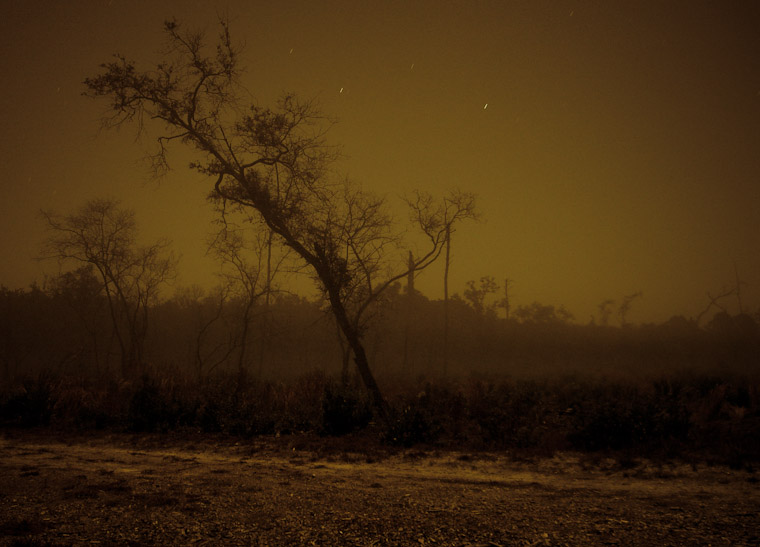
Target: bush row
<point x="670" y="416"/>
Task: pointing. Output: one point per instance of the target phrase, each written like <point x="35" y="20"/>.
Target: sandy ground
<point x="149" y="490"/>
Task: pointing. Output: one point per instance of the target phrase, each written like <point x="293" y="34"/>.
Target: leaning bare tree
<point x="103" y="234"/>
<point x="274" y="161"/>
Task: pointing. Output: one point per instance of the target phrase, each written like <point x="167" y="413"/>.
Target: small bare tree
<point x="605" y="310"/>
<point x="276" y="163"/>
<point x="715" y="302"/>
<point x="625" y="307"/>
<point x="476" y="295"/>
<point x="205" y="350"/>
<point x="457" y="206"/>
<point x="245" y="253"/>
<point x="103" y="234"/>
<point x="505" y="302"/>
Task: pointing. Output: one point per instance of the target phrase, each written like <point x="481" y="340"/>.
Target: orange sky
<point x="619" y="152"/>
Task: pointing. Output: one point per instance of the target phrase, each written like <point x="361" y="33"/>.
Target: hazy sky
<point x="619" y="150"/>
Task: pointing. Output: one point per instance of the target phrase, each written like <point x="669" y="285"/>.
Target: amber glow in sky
<point x="614" y="146"/>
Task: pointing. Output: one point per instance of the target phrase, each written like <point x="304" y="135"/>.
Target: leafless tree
<point x="457" y="206"/>
<point x="103" y="234"/>
<point x="505" y="302"/>
<point x="476" y="295"/>
<point x="725" y="292"/>
<point x="276" y="162"/>
<point x="739" y="284"/>
<point x="245" y="253"/>
<point x="605" y="310"/>
<point x="625" y="307"/>
<point x="206" y="351"/>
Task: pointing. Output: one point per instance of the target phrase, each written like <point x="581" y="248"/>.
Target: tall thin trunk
<point x="265" y="331"/>
<point x="360" y="358"/>
<point x="506" y="299"/>
<point x="738" y="288"/>
<point x="116" y="331"/>
<point x="446" y="303"/>
<point x="345" y="352"/>
<point x="242" y="366"/>
<point x="408" y="312"/>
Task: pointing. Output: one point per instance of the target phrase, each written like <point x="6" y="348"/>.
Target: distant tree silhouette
<point x="205" y="316"/>
<point x="82" y="291"/>
<point x="505" y="302"/>
<point x="275" y="163"/>
<point x="725" y="292"/>
<point x="733" y="328"/>
<point x="625" y="307"/>
<point x="605" y="310"/>
<point x="103" y="234"/>
<point x="476" y="295"/>
<point x="543" y="314"/>
<point x="739" y="284"/>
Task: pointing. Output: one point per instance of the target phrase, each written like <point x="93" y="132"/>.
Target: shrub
<point x="156" y="407"/>
<point x="608" y="427"/>
<point x="31" y="406"/>
<point x="82" y="405"/>
<point x="510" y="414"/>
<point x="344" y="410"/>
<point x="411" y="424"/>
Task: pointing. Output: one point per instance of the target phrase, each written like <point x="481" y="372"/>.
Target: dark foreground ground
<point x="153" y="490"/>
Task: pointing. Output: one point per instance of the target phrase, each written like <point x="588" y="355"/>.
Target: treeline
<point x="535" y="383"/>
<point x="65" y="327"/>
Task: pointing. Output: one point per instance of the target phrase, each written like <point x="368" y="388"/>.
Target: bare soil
<point x="159" y="490"/>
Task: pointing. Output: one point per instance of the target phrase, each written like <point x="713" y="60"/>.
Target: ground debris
<point x="106" y="491"/>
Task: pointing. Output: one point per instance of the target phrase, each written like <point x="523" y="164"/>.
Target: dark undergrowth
<point x="689" y="416"/>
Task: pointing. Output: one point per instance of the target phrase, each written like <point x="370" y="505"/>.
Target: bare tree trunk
<point x="242" y="372"/>
<point x="116" y="331"/>
<point x="408" y="311"/>
<point x="507" y="306"/>
<point x="360" y="356"/>
<point x="345" y="352"/>
<point x="265" y="331"/>
<point x="739" y="284"/>
<point x="446" y="303"/>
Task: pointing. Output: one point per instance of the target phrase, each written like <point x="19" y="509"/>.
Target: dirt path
<point x="113" y="491"/>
